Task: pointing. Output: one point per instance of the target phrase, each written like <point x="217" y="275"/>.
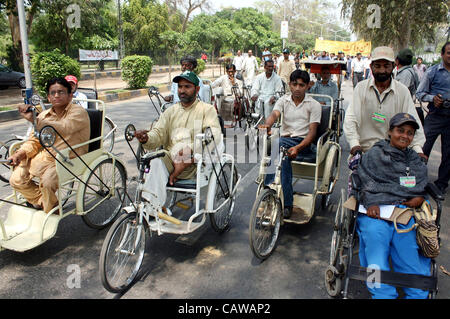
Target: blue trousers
<point x="378" y="240"/>
<point x="306" y="155"/>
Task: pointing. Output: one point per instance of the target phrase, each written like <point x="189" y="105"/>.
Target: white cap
<point x="383" y="53"/>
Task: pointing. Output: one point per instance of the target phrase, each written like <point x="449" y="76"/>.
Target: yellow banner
<point x="350" y="48"/>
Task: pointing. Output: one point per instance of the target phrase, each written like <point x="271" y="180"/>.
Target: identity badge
<point x="379" y="117"/>
<point x="408" y="181"/>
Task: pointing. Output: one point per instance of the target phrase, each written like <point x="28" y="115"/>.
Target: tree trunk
<point x="14" y="27"/>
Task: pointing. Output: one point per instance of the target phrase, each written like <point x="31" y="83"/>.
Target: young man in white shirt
<point x="238" y="61"/>
<point x="357" y="69"/>
<point x="301" y="118"/>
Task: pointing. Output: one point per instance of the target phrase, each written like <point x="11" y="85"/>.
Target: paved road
<point x="206" y="265"/>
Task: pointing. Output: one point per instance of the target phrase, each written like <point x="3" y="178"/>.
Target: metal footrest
<point x="393" y="278"/>
<point x="24" y="227"/>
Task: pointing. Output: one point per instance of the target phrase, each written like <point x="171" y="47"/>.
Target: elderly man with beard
<point x="175" y="131"/>
<point x="375" y="101"/>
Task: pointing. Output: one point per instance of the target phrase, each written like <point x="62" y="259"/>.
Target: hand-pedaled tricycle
<point x="95" y="180"/>
<point x="267" y="212"/>
<point x="216" y="178"/>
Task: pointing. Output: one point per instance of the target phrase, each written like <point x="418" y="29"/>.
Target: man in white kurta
<point x="249" y="68"/>
<point x="175" y="131"/>
<point x="264" y="89"/>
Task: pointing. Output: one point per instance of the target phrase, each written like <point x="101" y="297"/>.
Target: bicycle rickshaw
<point x="108" y="135"/>
<point x="215" y="183"/>
<point x="344" y="242"/>
<point x="266" y="215"/>
<point x="96" y="181"/>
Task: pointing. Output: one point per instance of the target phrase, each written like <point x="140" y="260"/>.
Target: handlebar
<point x="6" y="162"/>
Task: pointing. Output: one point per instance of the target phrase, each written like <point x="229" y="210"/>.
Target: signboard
<point x="284" y="29"/>
<point x="97" y="55"/>
<point x="350" y="48"/>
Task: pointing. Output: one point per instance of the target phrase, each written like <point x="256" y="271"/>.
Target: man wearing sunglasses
<point x="31" y="160"/>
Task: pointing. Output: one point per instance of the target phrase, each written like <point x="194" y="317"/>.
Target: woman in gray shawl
<point x="392" y="174"/>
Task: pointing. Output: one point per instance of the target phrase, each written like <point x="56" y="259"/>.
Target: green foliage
<point x="143" y="22"/>
<point x="97" y="42"/>
<point x="403" y="23"/>
<point x="230" y="29"/>
<point x="135" y="70"/>
<point x="5" y="41"/>
<point x="48" y="65"/>
<point x="201" y="65"/>
<point x="98" y="26"/>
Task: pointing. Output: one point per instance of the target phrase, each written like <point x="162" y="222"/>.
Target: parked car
<point x="9" y="78"/>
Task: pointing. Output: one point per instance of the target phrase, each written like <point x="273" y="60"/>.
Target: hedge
<point x="48" y="65"/>
<point x="135" y="70"/>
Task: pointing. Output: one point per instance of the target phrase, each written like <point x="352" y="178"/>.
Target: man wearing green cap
<point x="405" y="72"/>
<point x="175" y="131"/>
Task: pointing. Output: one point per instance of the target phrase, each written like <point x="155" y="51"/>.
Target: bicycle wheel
<point x="5" y="170"/>
<point x="333" y="277"/>
<point x="220" y="221"/>
<point x="108" y="140"/>
<point x="334" y="153"/>
<point x="103" y="179"/>
<point x="265" y="221"/>
<point x="122" y="253"/>
<point x="65" y="194"/>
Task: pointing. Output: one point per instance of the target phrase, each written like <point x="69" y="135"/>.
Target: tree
<point x="14" y="50"/>
<point x="171" y="41"/>
<point x="143" y="21"/>
<point x="307" y="19"/>
<point x="403" y="23"/>
<point x="97" y="28"/>
<point x="188" y="6"/>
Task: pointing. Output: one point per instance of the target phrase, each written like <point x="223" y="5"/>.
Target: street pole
<point x="284" y="19"/>
<point x="121" y="44"/>
<point x="25" y="51"/>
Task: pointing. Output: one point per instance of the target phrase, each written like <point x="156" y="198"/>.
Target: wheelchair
<point x="266" y="216"/>
<point x="215" y="184"/>
<point x="93" y="184"/>
<point x="341" y="268"/>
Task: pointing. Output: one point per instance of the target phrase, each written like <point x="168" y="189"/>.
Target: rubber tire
<point x="262" y="255"/>
<point x="110" y="125"/>
<point x="110" y="219"/>
<point x="215" y="224"/>
<point x="325" y="199"/>
<point x="104" y="255"/>
<point x="22" y="83"/>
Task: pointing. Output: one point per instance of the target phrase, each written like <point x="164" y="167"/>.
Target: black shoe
<point x="441" y="188"/>
<point x="287" y="212"/>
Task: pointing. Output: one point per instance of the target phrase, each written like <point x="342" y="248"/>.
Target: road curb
<point x="6" y="116"/>
<point x="118" y="73"/>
